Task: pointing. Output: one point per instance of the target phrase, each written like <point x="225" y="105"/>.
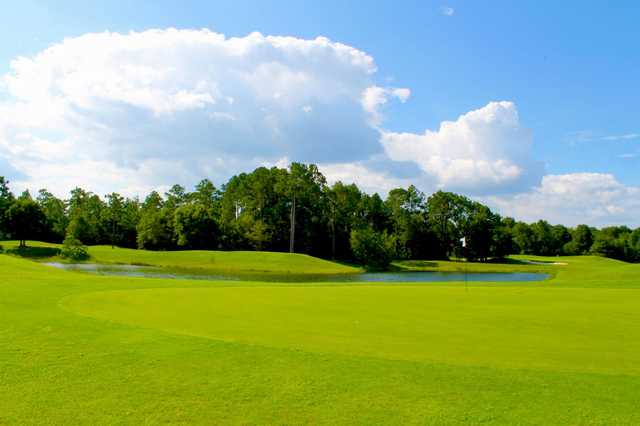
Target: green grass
<point x="205" y="261"/>
<point x="84" y="349"/>
<point x="509" y="265"/>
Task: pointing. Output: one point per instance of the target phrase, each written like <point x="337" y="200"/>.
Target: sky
<point x="530" y="107"/>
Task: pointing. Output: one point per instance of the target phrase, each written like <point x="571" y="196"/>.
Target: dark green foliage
<point x="276" y="209"/>
<point x="376" y="250"/>
<point x="345" y="211"/>
<point x="445" y="214"/>
<point x="6" y="200"/>
<point x="155" y="227"/>
<point x="503" y="239"/>
<point x="73" y="249"/>
<point x="614" y="242"/>
<point x="86" y="218"/>
<point x="25" y="220"/>
<point x="196" y="226"/>
<point x="583" y="237"/>
<point x="54" y="210"/>
<point x="580" y="242"/>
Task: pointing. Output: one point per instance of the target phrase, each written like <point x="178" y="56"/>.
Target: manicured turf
<point x="555" y="329"/>
<point x="84" y="349"/>
<point x="212" y="261"/>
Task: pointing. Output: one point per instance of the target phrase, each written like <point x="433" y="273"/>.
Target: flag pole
<point x="466" y="259"/>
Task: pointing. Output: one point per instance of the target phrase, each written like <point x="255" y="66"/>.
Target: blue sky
<point x="570" y="69"/>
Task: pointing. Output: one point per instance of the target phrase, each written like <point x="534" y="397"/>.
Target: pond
<point x="426" y="276"/>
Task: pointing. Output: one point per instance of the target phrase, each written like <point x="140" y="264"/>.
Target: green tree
<point x="344" y="214"/>
<point x="523" y="238"/>
<point x="196" y="227"/>
<point x="634" y="245"/>
<point x="155" y="228"/>
<point x="409" y="222"/>
<point x="581" y="240"/>
<point x="86" y="218"/>
<point x="479" y="226"/>
<point x="251" y="197"/>
<point x="375" y="212"/>
<point x="114" y="217"/>
<point x="54" y="210"/>
<point x="612" y="242"/>
<point x="129" y="222"/>
<point x="206" y="194"/>
<point x="503" y="238"/>
<point x="6" y="200"/>
<point x="25" y="220"/>
<point x="305" y="188"/>
<point x="176" y="197"/>
<point x="375" y="250"/>
<point x="259" y="234"/>
<point x="445" y="211"/>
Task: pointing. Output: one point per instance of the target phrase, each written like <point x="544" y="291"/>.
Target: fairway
<point x="86" y="349"/>
<point x="555" y="329"/>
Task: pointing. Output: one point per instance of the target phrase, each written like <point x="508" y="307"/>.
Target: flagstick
<point x="463" y="240"/>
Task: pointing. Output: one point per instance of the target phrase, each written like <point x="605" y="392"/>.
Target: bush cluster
<point x="73" y="249"/>
<point x="375" y="250"/>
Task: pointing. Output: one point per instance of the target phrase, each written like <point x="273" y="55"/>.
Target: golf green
<point x="555" y="329"/>
<point x="86" y="349"/>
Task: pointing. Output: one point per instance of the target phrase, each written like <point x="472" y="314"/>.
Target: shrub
<point x="73" y="249"/>
<point x="374" y="249"/>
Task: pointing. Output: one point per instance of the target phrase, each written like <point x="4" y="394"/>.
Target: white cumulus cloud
<point x="185" y="97"/>
<point x="575" y="198"/>
<point x="485" y="150"/>
<point x="374" y="97"/>
<point x="367" y="179"/>
<point x="141" y="111"/>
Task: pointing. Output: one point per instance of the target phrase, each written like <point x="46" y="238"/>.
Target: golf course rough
<point x="86" y="349"/>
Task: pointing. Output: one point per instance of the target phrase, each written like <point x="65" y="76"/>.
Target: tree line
<point x="294" y="209"/>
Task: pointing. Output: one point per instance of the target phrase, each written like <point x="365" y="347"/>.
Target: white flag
<point x="463" y="240"/>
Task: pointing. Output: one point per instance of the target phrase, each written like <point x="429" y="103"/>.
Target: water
<point x="155" y="272"/>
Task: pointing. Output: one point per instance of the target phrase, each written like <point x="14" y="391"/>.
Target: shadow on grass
<point x="416" y="264"/>
<point x="350" y="263"/>
<point x="507" y="261"/>
<point x="34" y="252"/>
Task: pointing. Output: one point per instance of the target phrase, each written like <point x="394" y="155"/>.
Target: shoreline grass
<point x="195" y="260"/>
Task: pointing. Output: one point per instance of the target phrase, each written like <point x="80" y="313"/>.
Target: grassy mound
<point x="210" y="261"/>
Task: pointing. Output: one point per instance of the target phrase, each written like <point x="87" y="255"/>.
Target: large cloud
<point x="131" y="103"/>
<point x="484" y="151"/>
<point x="575" y="198"/>
<point x="141" y="111"/>
<point x="182" y="104"/>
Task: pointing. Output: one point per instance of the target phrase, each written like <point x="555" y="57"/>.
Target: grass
<point x="205" y="261"/>
<point x="508" y="265"/>
<point x="85" y="349"/>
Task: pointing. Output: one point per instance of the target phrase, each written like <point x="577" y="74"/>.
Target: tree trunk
<point x="333" y="234"/>
<point x="292" y="235"/>
<point x="333" y="241"/>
